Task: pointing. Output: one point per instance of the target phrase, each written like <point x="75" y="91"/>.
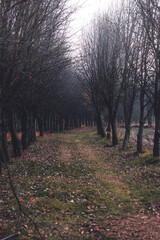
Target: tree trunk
<point x="126" y="137"/>
<point x="25" y="129"/>
<point x="33" y="129"/>
<point x="86" y="122"/>
<point x="41" y="126"/>
<point x="15" y="140"/>
<point x="129" y="97"/>
<point x="114" y="132"/>
<point x="1" y="146"/>
<point x="150" y="119"/>
<point x="49" y="123"/>
<point x="4" y="141"/>
<point x="29" y="131"/>
<point x="52" y="124"/>
<point x="60" y="124"/>
<point x="109" y="131"/>
<point x="66" y="126"/>
<point x="1" y="156"/>
<point x="100" y="125"/>
<point x="140" y="138"/>
<point x="156" y="148"/>
<point x="141" y="124"/>
<point x="128" y="110"/>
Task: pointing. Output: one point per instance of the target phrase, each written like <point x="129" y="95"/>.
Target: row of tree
<point x="36" y="77"/>
<point x="120" y="63"/>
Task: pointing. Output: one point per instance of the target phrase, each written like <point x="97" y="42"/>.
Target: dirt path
<point x="78" y="187"/>
<point x="127" y="226"/>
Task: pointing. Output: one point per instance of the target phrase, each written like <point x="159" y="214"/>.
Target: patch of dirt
<point x="85" y="150"/>
<point x="66" y="155"/>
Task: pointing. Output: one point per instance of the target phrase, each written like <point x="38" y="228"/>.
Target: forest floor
<point x="76" y="186"/>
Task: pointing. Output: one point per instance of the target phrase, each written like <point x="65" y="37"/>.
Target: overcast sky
<point x="85" y="13"/>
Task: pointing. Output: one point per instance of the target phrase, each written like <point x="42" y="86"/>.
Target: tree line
<point x="120" y="63"/>
<point x="37" y="85"/>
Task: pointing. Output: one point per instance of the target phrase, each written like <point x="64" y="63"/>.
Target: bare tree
<point x="145" y="84"/>
<point x="150" y="15"/>
<point x="32" y="54"/>
<point x="110" y="68"/>
<point x="101" y="64"/>
<point x="130" y="58"/>
<point x="89" y="76"/>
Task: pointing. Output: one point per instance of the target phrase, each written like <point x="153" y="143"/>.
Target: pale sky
<point x="85" y="13"/>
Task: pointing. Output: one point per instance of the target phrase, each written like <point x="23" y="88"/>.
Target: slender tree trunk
<point x="49" y="123"/>
<point x="66" y="124"/>
<point x="25" y="130"/>
<point x="141" y="124"/>
<point x="86" y="122"/>
<point x="29" y="130"/>
<point x="140" y="138"/>
<point x="52" y="124"/>
<point x="33" y="127"/>
<point x="109" y="130"/>
<point x="150" y="119"/>
<point x="156" y="148"/>
<point x="128" y="110"/>
<point x="127" y="136"/>
<point x="76" y="123"/>
<point x="114" y="132"/>
<point x="15" y="140"/>
<point x="100" y="125"/>
<point x="4" y="141"/>
<point x="56" y="123"/>
<point x="1" y="156"/>
<point x="30" y="137"/>
<point x="80" y="123"/>
<point x="61" y="124"/>
<point x="83" y="121"/>
<point x="72" y="124"/>
<point x="1" y="145"/>
<point x="41" y="126"/>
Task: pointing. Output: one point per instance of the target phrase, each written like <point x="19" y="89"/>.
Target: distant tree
<point x="109" y="68"/>
<point x="145" y="85"/>
<point x="101" y="68"/>
<point x="149" y="12"/>
<point x="89" y="76"/>
<point x="130" y="59"/>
